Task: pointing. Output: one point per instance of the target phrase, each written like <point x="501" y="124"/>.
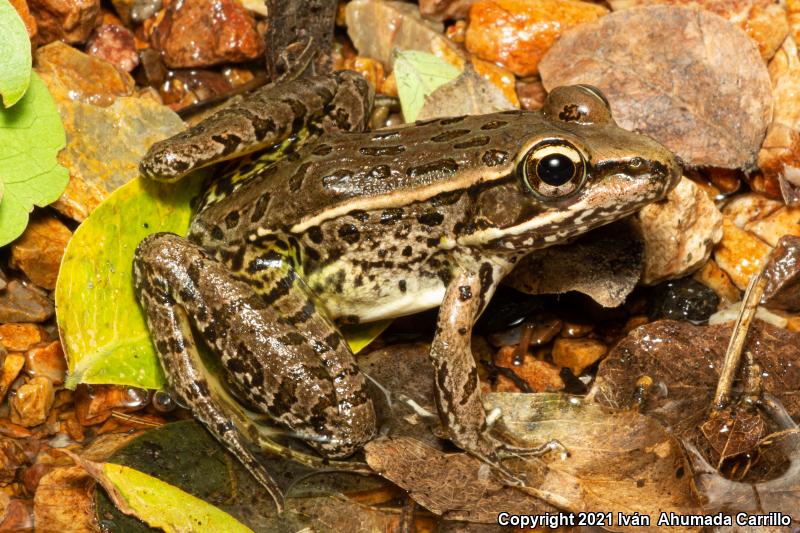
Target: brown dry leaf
<point x="694" y="81"/>
<point x="468" y="94"/>
<point x="605" y="265"/>
<point x="679" y="234"/>
<point x="783" y="275"/>
<point x="63" y="501"/>
<point x="684" y="361"/>
<point x="623" y="461"/>
<point x="454" y="485"/>
<point x="764" y="20"/>
<point x="779" y="157"/>
<point x="734" y="431"/>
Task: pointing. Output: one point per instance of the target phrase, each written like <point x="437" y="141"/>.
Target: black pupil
<point x="555" y="169"/>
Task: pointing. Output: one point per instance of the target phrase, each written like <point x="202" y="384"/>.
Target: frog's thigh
<point x="457" y="386"/>
<point x="308" y="383"/>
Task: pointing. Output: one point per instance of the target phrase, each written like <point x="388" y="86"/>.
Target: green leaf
<point x="418" y="75"/>
<point x="166" y="506"/>
<point x="31" y="135"/>
<point x="102" y="327"/>
<point x="103" y="331"/>
<point x="15" y="55"/>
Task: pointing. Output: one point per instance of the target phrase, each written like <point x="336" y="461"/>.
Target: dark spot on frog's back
<point x="448" y="136"/>
<point x="349" y="233"/>
<point x="477" y="142"/>
<point x="451" y="120"/>
<point x="260" y="208"/>
<point x="296" y="181"/>
<point x="229" y="142"/>
<point x="494" y="124"/>
<point x="391" y="215"/>
<point x="443" y="166"/>
<point x="315" y="234"/>
<point x="322" y="149"/>
<point x="232" y="219"/>
<point x="432" y="218"/>
<point x="382" y="150"/>
<point x="492" y="158"/>
<point x="571" y="113"/>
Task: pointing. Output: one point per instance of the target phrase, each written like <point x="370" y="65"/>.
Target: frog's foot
<point x="508" y="450"/>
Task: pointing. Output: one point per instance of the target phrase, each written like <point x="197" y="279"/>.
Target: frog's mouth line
<point x="620" y="197"/>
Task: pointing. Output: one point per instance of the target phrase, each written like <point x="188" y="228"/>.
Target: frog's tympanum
<point x="339" y="226"/>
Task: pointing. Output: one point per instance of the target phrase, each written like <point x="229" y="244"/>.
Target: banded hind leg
<point x="296" y="370"/>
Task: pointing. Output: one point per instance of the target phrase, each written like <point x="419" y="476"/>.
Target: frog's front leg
<point x="293" y="367"/>
<point x="458" y="394"/>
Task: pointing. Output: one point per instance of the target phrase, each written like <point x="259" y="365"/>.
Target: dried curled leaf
<point x="690" y="79"/>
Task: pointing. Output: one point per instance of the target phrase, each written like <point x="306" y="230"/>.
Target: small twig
<point x="752" y="297"/>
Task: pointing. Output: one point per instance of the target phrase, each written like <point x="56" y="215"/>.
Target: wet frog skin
<point x="356" y="226"/>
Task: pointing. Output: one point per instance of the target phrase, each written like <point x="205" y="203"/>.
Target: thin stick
<point x="752" y="297"/>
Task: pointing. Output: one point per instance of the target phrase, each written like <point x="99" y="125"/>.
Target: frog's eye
<point x="552" y="169"/>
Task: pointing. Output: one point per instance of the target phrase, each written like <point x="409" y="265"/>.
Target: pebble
<point x="540" y="376"/>
<point x="713" y="277"/>
<point x="445" y="9"/>
<point x="39" y="250"/>
<point x="228" y="31"/>
<point x="94" y="404"/>
<point x="12" y="366"/>
<point x="679" y="234"/>
<point x="25" y="14"/>
<point x="31" y="403"/>
<point x="516" y="33"/>
<point x="24" y="302"/>
<point x="72" y="75"/>
<point x="577" y="354"/>
<point x="531" y="93"/>
<point x="47" y="361"/>
<point x="540" y="330"/>
<point x="683" y="299"/>
<point x="574" y="330"/>
<point x="20" y="337"/>
<point x="739" y="254"/>
<point x="12" y="459"/>
<point x="70" y="21"/>
<point x="115" y="44"/>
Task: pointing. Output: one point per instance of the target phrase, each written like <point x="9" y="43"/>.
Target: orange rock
<point x="634" y="322"/>
<point x="501" y="77"/>
<point x="779" y="156"/>
<point x="739" y="253"/>
<point x="784" y="221"/>
<point x="25" y="14"/>
<point x="517" y="33"/>
<point x="726" y="180"/>
<point x="228" y="31"/>
<point x="39" y="250"/>
<point x="373" y="71"/>
<point x="20" y="337"/>
<point x="94" y="404"/>
<point x="70" y="21"/>
<point x="713" y="277"/>
<point x="531" y="93"/>
<point x="47" y="361"/>
<point x="12" y="365"/>
<point x="577" y="354"/>
<point x="72" y="75"/>
<point x="31" y="403"/>
<point x="539" y="375"/>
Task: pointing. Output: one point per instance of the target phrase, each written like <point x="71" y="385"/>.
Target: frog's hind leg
<point x="289" y="377"/>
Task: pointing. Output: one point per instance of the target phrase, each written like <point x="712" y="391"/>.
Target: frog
<point x="335" y="225"/>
